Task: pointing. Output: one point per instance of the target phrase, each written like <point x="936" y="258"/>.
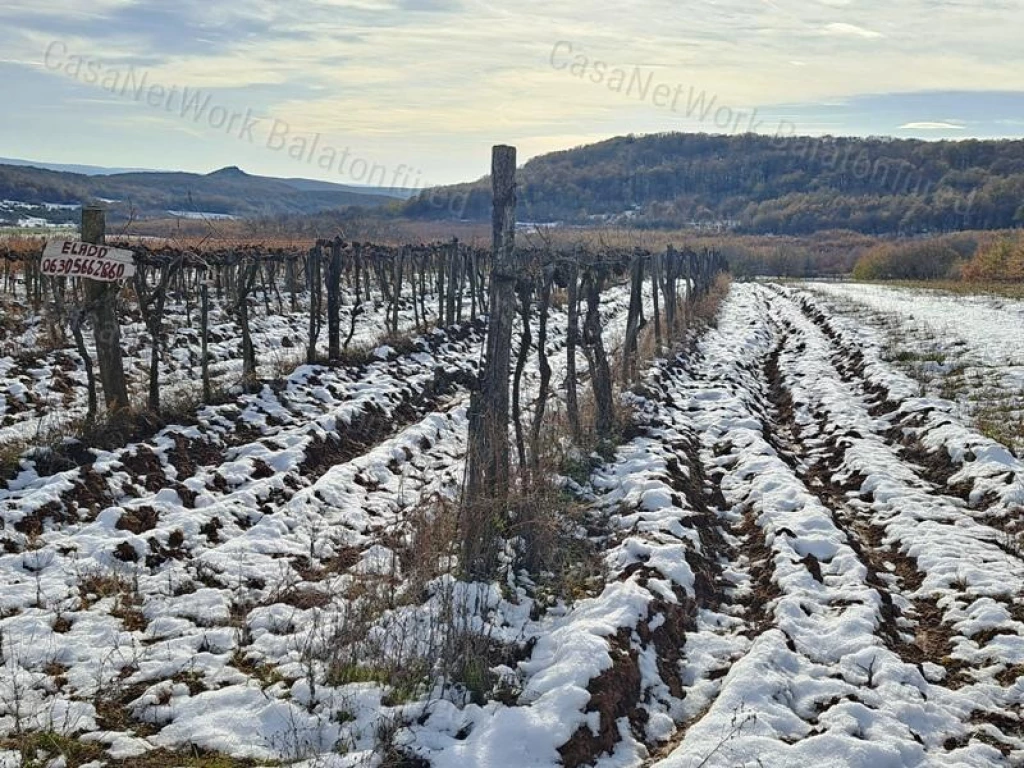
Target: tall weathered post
<point x="313" y="283"/>
<point x="572" y="407"/>
<point x="487" y="474"/>
<point x="334" y="267"/>
<point x="630" y="348"/>
<point x="101" y="298"/>
<point x="204" y="329"/>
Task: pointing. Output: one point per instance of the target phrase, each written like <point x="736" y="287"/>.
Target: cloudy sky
<point x="420" y="89"/>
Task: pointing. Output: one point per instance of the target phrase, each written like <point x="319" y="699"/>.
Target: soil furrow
<point x="842" y="608"/>
<point x="885" y="500"/>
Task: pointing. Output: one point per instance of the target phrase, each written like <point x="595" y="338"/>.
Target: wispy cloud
<point x="851" y="30"/>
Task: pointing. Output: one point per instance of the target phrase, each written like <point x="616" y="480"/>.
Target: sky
<point x="414" y="93"/>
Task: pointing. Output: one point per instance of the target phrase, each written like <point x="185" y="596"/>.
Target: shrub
<point x="930" y="259"/>
<point x="1001" y="260"/>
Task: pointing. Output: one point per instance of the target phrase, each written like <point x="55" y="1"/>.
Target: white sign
<point x="69" y="258"/>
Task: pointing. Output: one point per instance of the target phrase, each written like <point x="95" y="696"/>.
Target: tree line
<point x="764" y="184"/>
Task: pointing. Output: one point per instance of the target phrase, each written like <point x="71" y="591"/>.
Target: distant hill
<point x="225" y="192"/>
<point x="761" y="184"/>
<point x="314" y="185"/>
<point x="85" y="170"/>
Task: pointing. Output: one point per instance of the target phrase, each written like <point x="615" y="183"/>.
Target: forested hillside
<point x="766" y="184"/>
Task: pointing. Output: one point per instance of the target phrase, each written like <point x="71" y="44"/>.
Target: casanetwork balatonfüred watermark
<point x="698" y="105"/>
<point x="200" y="108"/>
<point x="641" y="83"/>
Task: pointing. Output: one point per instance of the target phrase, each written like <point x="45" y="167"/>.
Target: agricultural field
<point x="965" y="348"/>
<point x="686" y="432"/>
<point x="801" y="544"/>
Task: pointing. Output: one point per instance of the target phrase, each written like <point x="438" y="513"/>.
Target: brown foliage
<point x="999" y="260"/>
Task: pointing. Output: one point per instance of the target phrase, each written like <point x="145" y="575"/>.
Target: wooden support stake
<point x="487" y="474"/>
<point x="101" y="299"/>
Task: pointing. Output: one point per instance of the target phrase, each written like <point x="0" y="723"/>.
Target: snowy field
<point x="805" y="558"/>
<point x="969" y="349"/>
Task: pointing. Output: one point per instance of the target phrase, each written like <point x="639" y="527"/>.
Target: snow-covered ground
<point x="790" y="587"/>
<point x="43" y="380"/>
<point x="214" y="567"/>
<point x="968" y="348"/>
<point x="202" y="215"/>
<point x="987" y="327"/>
<point x="802" y="560"/>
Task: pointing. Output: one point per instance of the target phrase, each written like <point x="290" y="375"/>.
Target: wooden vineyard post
<point x="472" y="284"/>
<point x="440" y="259"/>
<point x="397" y="274"/>
<point x="313" y="283"/>
<point x="669" y="292"/>
<point x="487" y="473"/>
<point x="204" y="325"/>
<point x="334" y="301"/>
<point x="597" y="358"/>
<point x="453" y="295"/>
<point x="572" y="406"/>
<point x="688" y="305"/>
<point x="101" y="298"/>
<point x="655" y="277"/>
<point x="633" y="318"/>
<point x="290" y="283"/>
<point x="247" y="273"/>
